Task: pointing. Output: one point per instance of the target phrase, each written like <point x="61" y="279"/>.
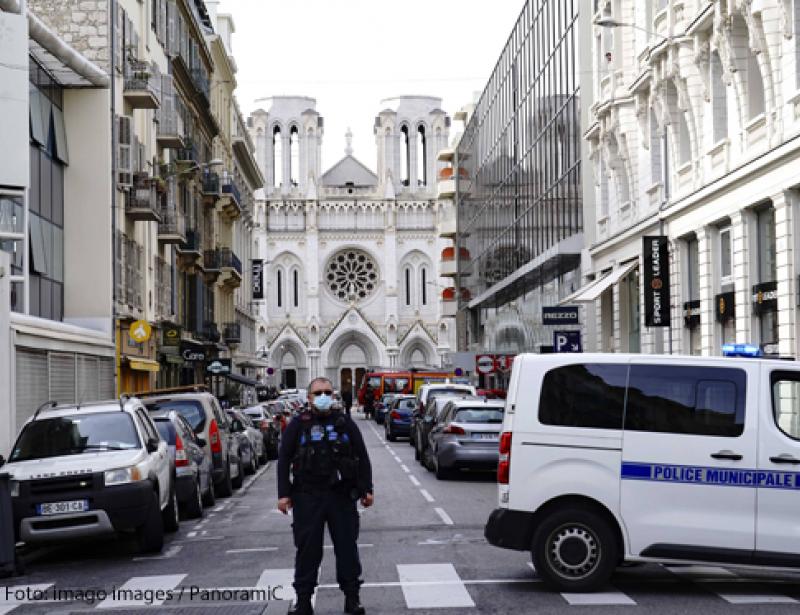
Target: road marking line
<point x="414" y="480"/>
<point x="360" y="546"/>
<point x="700" y="571"/>
<point x="444" y="516"/>
<point x="740" y="595"/>
<point x="718" y="580"/>
<point x="191" y="534"/>
<point x="171" y="552"/>
<point x="430" y="595"/>
<point x="271" y="577"/>
<point x="598" y="599"/>
<point x="426" y="495"/>
<point x="142" y="585"/>
<point x="253" y="550"/>
<point x="405" y="469"/>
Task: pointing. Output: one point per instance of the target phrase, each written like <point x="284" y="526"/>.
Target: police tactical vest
<point x="325" y="456"/>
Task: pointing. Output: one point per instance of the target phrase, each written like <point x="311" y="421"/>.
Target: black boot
<point x="302" y="606"/>
<point x="352" y="604"/>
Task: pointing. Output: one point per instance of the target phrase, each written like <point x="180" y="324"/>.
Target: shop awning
<point x="573" y="296"/>
<point x="598" y="288"/>
<point x="251" y="363"/>
<point x="241" y="379"/>
<point x="144" y="365"/>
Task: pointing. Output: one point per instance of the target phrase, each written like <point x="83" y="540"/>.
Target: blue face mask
<point x="323" y="403"/>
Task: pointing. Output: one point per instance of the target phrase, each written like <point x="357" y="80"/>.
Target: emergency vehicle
<point x="610" y="458"/>
<point x="401" y="382"/>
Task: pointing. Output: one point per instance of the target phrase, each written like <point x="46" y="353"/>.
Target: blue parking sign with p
<point x="567" y="341"/>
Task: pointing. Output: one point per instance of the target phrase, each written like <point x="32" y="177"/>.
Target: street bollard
<point x="7" y="542"/>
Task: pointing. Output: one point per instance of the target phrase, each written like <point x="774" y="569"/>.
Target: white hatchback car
<point x="93" y="469"/>
<point x="611" y="458"/>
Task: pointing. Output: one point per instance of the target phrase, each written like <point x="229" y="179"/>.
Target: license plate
<point x="58" y="508"/>
<point x="484" y="436"/>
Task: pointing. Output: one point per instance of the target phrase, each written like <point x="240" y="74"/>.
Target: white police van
<point x="610" y="458"/>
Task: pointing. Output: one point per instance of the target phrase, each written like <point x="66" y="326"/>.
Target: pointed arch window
<point x="295" y="288"/>
<point x="279" y="287"/>
<point x="756" y="104"/>
<point x="277" y="157"/>
<point x="405" y="156"/>
<point x="422" y="157"/>
<point x="424" y="285"/>
<point x="408" y="285"/>
<point x="294" y="156"/>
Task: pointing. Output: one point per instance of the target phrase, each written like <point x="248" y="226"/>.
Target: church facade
<point x="351" y="255"/>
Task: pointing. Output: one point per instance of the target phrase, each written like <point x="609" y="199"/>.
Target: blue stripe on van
<point x="702" y="475"/>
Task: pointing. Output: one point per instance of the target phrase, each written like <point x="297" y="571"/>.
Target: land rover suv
<point x="88" y="470"/>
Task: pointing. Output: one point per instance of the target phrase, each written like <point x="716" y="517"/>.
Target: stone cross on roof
<point x="348" y="137"/>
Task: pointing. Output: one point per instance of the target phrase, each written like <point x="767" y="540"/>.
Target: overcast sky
<point x="351" y="54"/>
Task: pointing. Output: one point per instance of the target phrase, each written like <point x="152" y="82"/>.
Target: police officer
<point x="330" y="470"/>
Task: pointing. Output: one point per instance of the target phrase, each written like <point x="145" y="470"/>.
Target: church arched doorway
<point x="352" y="368"/>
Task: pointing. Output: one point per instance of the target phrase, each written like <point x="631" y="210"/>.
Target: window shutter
<point x="118" y="267"/>
<point x="155" y="80"/>
<point x="105" y="378"/>
<point x="171" y="45"/>
<point x="124" y="154"/>
<point x="31" y="388"/>
<point x="62" y="377"/>
<point x="88" y="389"/>
<point x="119" y="38"/>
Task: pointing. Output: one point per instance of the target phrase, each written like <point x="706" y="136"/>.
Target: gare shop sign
<point x="193" y="353"/>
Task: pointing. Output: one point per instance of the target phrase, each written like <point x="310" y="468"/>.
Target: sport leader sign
<point x="656" y="281"/>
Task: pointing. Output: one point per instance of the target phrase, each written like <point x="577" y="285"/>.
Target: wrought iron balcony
<point x="172" y="227"/>
<point x="232" y="203"/>
<point x="210" y="331"/>
<point x="201" y="84"/>
<point x="232" y="267"/>
<point x="211" y="265"/>
<point x="170" y="132"/>
<point x="233" y="332"/>
<point x="211" y="184"/>
<point x="188" y="154"/>
<point x="141" y="201"/>
<point x="140" y="90"/>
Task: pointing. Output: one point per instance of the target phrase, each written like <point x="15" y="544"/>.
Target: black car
<point x="194" y="483"/>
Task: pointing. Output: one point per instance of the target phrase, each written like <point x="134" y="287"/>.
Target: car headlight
<point x="122" y="476"/>
<point x="13" y="487"/>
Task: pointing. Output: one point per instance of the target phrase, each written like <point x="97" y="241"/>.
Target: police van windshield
<point x="189" y="409"/>
<point x="73" y="435"/>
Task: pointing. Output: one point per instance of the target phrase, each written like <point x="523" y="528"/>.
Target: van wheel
<point x="194" y="507"/>
<point x="574" y="550"/>
<point x="225" y="489"/>
<point x="150" y="535"/>
<point x="171" y="512"/>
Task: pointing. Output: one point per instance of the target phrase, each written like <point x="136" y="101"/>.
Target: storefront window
<point x="725" y="255"/>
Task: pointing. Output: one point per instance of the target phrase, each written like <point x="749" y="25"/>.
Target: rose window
<point x="351" y="274"/>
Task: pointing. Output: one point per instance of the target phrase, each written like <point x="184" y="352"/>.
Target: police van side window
<point x="584" y="395"/>
<point x="703" y="401"/>
<point x="786" y="402"/>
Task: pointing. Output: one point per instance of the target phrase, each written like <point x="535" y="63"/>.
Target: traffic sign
<point x="140" y="331"/>
<point x="485" y="363"/>
<point x="567" y="341"/>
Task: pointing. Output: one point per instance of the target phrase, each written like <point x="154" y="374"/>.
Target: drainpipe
<point x="114" y="256"/>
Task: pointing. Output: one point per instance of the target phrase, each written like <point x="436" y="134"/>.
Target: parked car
<point x="430" y="391"/>
<point x="398" y="419"/>
<point x="92" y="470"/>
<point x="246" y="449"/>
<point x="428" y="420"/>
<point x="465" y="436"/>
<point x="270" y="429"/>
<point x="382" y="406"/>
<point x="254" y="434"/>
<point x="193" y="469"/>
<point x="207" y="419"/>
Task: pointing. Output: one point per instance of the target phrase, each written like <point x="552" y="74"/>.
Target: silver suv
<point x="205" y="416"/>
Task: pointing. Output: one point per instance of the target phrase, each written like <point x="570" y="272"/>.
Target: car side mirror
<point x="201" y="442"/>
<point x="152" y="445"/>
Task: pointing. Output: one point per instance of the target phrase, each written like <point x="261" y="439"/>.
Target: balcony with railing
<point x="190" y="252"/>
<point x="231" y="198"/>
<point x="211" y="265"/>
<point x="141" y="91"/>
<point x="211" y="188"/>
<point x="170" y="132"/>
<point x="188" y="155"/>
<point x="210" y="331"/>
<point x="172" y="227"/>
<point x="231" y="268"/>
<point x="233" y="332"/>
<point x="141" y="201"/>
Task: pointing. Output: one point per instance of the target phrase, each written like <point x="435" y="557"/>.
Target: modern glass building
<point x="520" y="188"/>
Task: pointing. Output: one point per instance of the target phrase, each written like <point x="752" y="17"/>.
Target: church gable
<point x="349" y="171"/>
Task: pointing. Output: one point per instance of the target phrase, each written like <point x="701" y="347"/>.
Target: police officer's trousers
<point x="311" y="511"/>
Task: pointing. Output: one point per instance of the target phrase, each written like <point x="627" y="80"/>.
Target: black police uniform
<point x="330" y="471"/>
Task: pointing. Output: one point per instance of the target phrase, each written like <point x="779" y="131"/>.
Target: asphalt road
<point x="422" y="549"/>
